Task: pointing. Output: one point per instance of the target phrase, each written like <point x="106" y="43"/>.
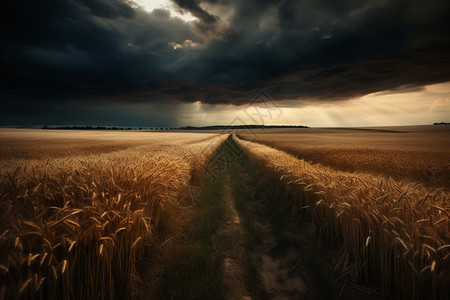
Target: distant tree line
<point x="442" y="123"/>
<point x="240" y="127"/>
<point x="214" y="127"/>
<point x="89" y="128"/>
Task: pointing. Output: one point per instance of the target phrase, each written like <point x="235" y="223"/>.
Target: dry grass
<point x="419" y="153"/>
<point x="393" y="233"/>
<point x="76" y="225"/>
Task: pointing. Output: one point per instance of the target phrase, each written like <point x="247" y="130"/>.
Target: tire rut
<point x="279" y="266"/>
<point x="231" y="237"/>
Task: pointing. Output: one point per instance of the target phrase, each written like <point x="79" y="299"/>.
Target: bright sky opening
<point x="150" y="5"/>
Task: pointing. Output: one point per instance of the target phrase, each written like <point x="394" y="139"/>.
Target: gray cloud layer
<point x="57" y="51"/>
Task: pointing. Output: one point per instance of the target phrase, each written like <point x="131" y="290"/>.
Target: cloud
<point x="194" y="8"/>
<point x="110" y="51"/>
<point x="186" y="44"/>
<point x="108" y="9"/>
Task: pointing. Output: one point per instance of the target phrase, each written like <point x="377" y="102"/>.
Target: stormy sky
<point x="195" y="62"/>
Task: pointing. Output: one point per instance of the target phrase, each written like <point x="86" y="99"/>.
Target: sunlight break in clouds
<point x="432" y="104"/>
<point x="150" y="5"/>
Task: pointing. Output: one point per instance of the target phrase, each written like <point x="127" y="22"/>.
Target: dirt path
<point x="278" y="271"/>
<point x="280" y="258"/>
<point x="241" y="243"/>
<point x="231" y="230"/>
<point x="283" y="249"/>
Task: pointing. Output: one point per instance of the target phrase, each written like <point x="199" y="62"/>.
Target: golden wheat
<point x="409" y="153"/>
<point x="75" y="226"/>
<point x="394" y="233"/>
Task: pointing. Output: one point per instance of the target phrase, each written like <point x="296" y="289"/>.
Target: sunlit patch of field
<point x="414" y="153"/>
<point x="79" y="209"/>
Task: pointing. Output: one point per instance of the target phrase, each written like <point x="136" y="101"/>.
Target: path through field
<point x="250" y="247"/>
<point x="277" y="261"/>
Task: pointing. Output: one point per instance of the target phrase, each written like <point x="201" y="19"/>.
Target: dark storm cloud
<point x="109" y="9"/>
<point x="58" y="51"/>
<point x="194" y="8"/>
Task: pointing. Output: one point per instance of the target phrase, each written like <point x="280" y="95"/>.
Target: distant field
<point x="417" y="153"/>
<point x="40" y="144"/>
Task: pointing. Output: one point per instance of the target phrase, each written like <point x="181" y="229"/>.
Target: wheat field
<point x="412" y="153"/>
<point x="394" y="232"/>
<point x="81" y="210"/>
<point x="77" y="209"/>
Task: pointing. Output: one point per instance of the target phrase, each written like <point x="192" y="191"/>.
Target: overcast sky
<point x="194" y="62"/>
